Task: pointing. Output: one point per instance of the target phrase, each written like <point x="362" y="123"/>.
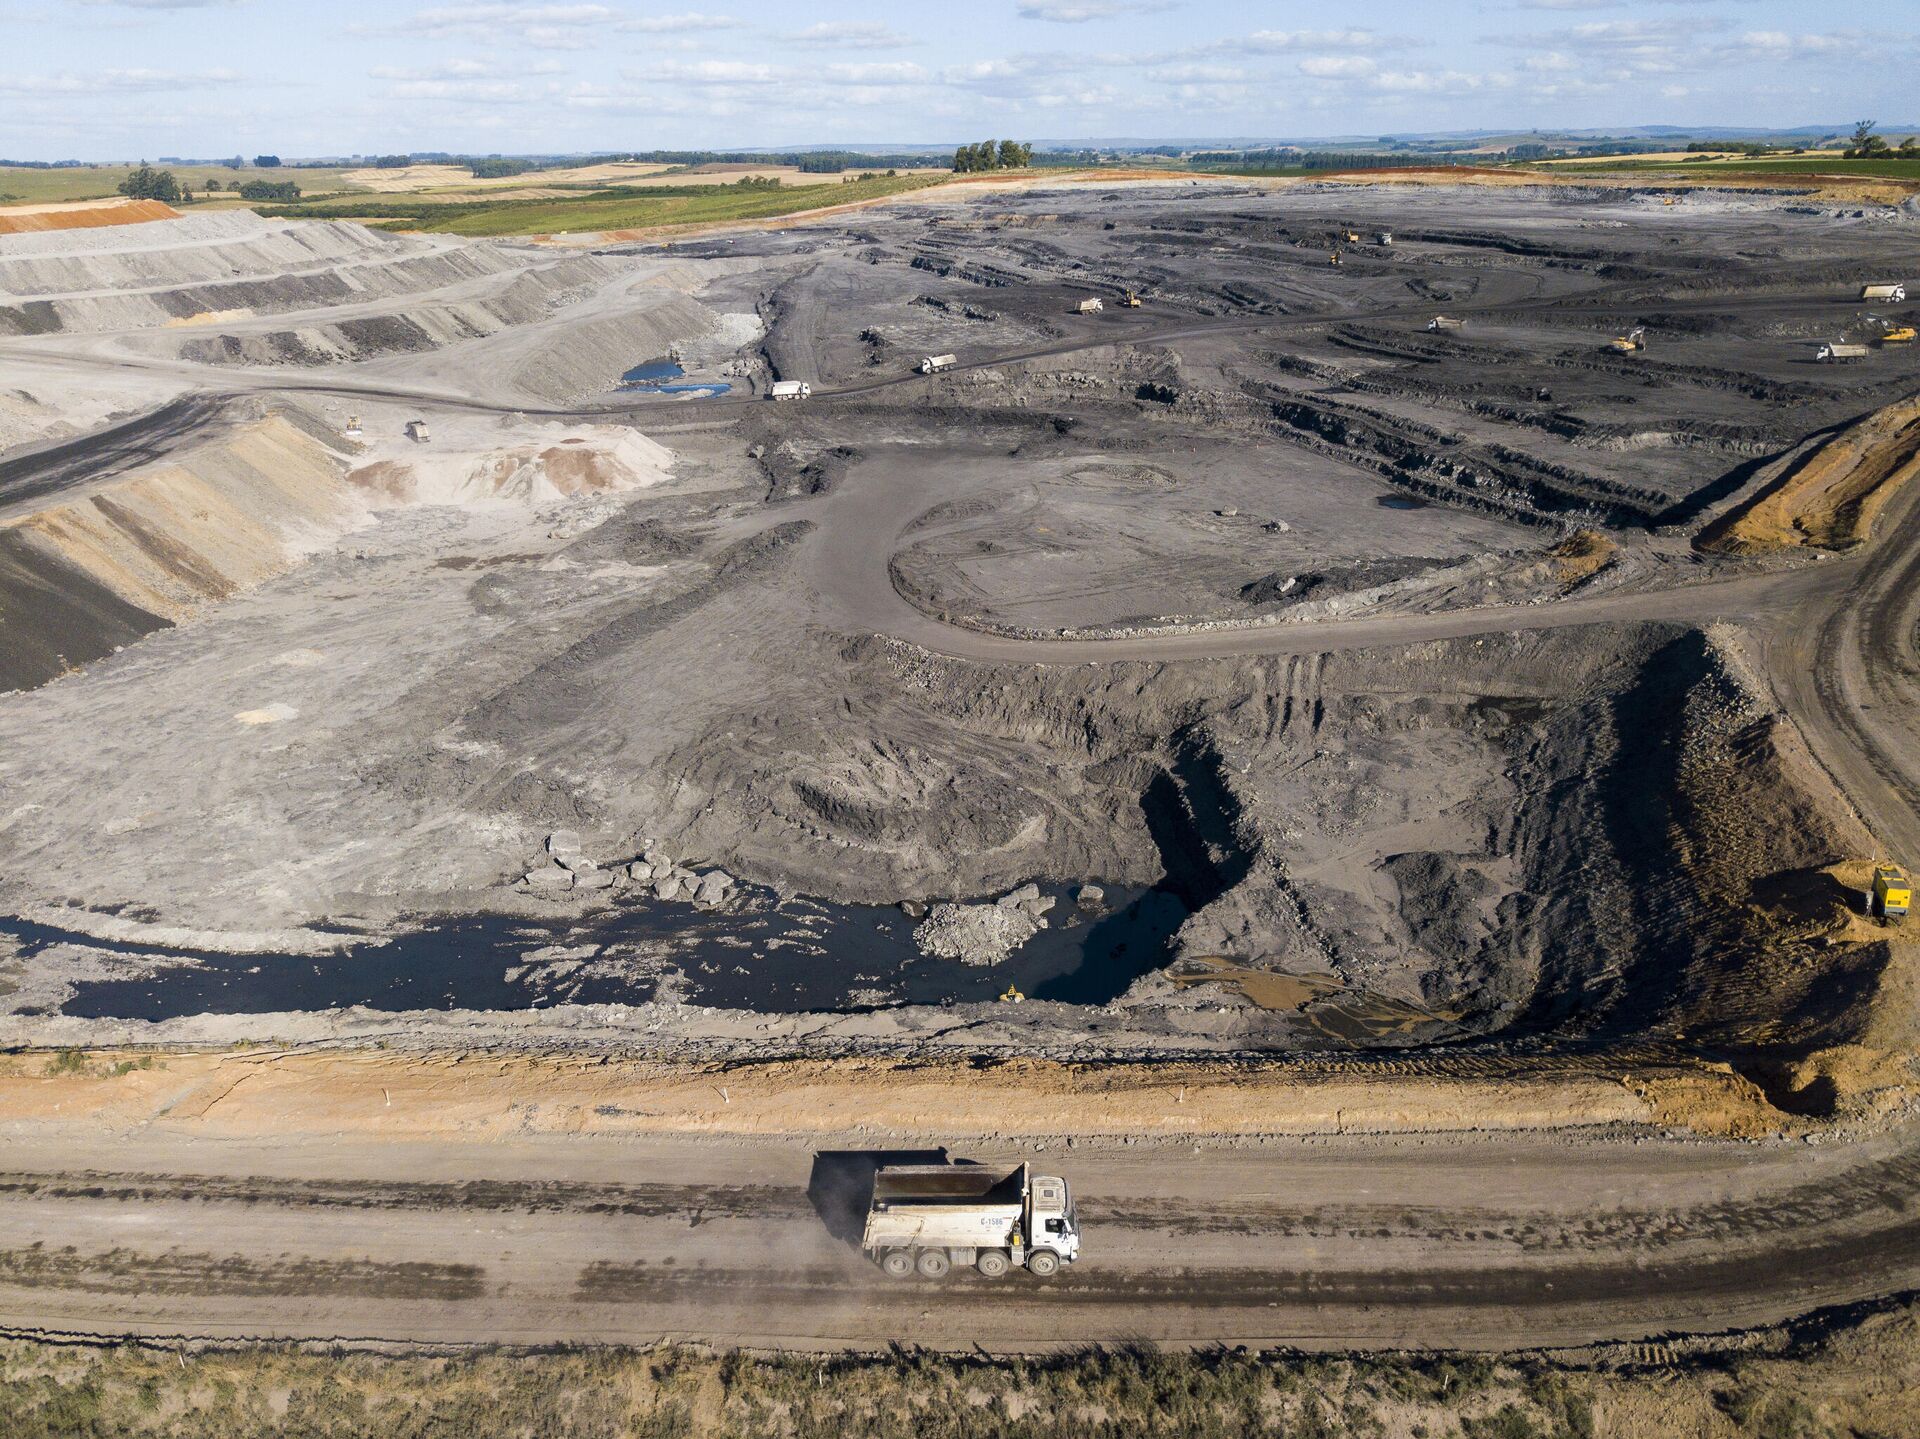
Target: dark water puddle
<point x="653" y="372"/>
<point x="654" y="375"/>
<point x="1401" y="502"/>
<point x="758" y="953"/>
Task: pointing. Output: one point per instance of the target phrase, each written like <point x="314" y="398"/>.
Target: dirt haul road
<point x="1471" y="1242"/>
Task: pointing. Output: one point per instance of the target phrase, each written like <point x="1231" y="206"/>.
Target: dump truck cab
<point x="1892" y="893"/>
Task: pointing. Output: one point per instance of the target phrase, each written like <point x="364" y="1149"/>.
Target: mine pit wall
<point x="82" y="578"/>
<point x="1673" y="885"/>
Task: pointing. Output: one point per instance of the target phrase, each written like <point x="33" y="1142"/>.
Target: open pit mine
<point x="1376" y="768"/>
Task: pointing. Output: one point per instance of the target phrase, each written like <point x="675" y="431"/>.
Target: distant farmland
<point x="611" y="209"/>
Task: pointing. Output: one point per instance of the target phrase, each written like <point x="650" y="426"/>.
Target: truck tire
<point x="934" y="1264"/>
<point x="993" y="1263"/>
<point x="1043" y="1263"/>
<point x="896" y="1263"/>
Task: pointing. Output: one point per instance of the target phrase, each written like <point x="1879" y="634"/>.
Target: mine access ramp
<point x="926" y="1218"/>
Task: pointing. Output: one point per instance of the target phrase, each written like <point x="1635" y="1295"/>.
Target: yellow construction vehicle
<point x="1892" y="892"/>
<point x="1334" y="258"/>
<point x="1898" y="335"/>
<point x="1353" y="237"/>
<point x="1131" y="301"/>
<point x="1626" y="344"/>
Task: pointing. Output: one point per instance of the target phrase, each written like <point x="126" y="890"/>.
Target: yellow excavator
<point x="1130" y="301"/>
<point x="1334" y="258"/>
<point x="1898" y="335"/>
<point x="1626" y="344"/>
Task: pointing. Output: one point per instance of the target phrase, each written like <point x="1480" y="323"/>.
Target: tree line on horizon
<point x="992" y="155"/>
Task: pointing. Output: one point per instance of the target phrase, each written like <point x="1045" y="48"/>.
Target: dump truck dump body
<point x="1894" y="292"/>
<point x="931" y="1217"/>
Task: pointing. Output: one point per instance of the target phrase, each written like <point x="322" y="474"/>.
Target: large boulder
<point x="549" y="880"/>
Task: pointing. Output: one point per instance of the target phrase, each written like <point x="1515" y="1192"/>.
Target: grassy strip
<point x="1830" y="166"/>
<point x="20" y="186"/>
<point x="609" y="209"/>
<point x="1822" y="1383"/>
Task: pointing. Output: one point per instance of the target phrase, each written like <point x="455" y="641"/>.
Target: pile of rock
<point x="671" y="880"/>
<point x="570" y="869"/>
<point x="983" y="933"/>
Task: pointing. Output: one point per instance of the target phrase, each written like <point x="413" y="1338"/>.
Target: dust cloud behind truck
<point x="926" y="1218"/>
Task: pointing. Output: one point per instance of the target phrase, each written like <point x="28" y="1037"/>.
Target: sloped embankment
<point x="1830" y="499"/>
<point x="81" y="578"/>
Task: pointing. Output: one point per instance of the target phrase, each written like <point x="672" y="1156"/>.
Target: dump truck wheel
<point x="934" y="1263"/>
<point x="993" y="1263"/>
<point x="1043" y="1262"/>
<point x="896" y="1264"/>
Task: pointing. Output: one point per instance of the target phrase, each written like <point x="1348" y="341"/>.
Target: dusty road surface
<point x="1468" y="1242"/>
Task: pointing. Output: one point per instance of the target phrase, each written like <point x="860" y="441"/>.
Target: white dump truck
<point x="926" y="1218"/>
<point x="791" y="389"/>
<point x="1836" y="352"/>
<point x="934" y="364"/>
<point x="1090" y="307"/>
<point x="1892" y="293"/>
<point x="417" y="431"/>
<point x="1444" y="322"/>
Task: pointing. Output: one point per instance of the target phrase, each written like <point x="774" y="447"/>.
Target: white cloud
<point x="679" y="24"/>
<point x="881" y="72"/>
<point x="1330" y="67"/>
<point x="1079" y="12"/>
<point x="1271" y="40"/>
<point x="126" y="82"/>
<point x="850" y="35"/>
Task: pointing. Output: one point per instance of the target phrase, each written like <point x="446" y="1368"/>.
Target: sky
<point x="131" y="79"/>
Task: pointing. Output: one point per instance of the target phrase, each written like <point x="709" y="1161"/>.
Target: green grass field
<point x="100" y="182"/>
<point x="1893" y="169"/>
<point x="611" y="209"/>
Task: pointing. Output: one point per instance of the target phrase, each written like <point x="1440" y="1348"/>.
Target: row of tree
<point x="1869" y="146"/>
<point x="146" y="183"/>
<point x="992" y="155"/>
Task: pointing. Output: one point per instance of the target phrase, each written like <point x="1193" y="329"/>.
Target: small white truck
<point x="1835" y="352"/>
<point x="1090" y="307"/>
<point x="926" y="1218"/>
<point x="1444" y="322"/>
<point x="791" y="389"/>
<point x="934" y="364"/>
<point x="1889" y="293"/>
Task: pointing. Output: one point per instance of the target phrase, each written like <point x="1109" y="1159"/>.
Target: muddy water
<point x="760" y="953"/>
<point x="1324" y="1001"/>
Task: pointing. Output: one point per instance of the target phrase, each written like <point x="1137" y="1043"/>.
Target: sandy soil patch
<point x="433" y="177"/>
<point x="484" y="1096"/>
<point x="1832" y="498"/>
<point x="81" y="215"/>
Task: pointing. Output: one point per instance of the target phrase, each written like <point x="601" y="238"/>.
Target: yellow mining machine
<point x="1626" y="344"/>
<point x="1892" y="893"/>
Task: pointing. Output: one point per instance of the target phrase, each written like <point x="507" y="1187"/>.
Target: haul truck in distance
<point x="926" y="1218"/>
